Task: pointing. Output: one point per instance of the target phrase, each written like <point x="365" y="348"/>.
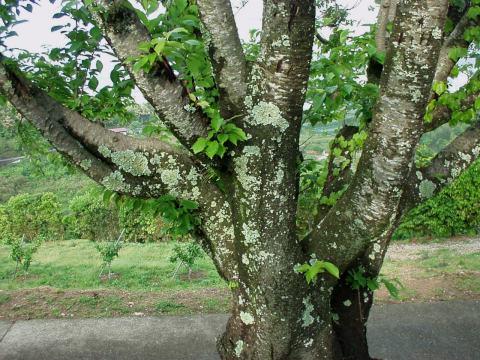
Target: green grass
<point x="76" y="265"/>
<point x="448" y="261"/>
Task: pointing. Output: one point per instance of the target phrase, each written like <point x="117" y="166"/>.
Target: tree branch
<point x="287" y="37"/>
<point x="337" y="182"/>
<point x="455" y="39"/>
<point x="226" y="54"/>
<point x="442" y="114"/>
<point x="370" y="205"/>
<point x="444" y="168"/>
<point x="386" y="14"/>
<point x="124" y="32"/>
<point x="137" y="167"/>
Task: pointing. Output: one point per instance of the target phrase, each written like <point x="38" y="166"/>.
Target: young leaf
<point x="331" y="269"/>
<point x="199" y="145"/>
<point x="212" y="149"/>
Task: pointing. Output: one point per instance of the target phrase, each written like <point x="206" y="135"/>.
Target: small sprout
<point x="311" y="271"/>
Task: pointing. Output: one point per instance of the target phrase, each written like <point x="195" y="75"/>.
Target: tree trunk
<point x="288" y="322"/>
<point x="351" y="309"/>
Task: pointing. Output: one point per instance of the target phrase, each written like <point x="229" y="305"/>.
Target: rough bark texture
<point x="226" y="53"/>
<point x="249" y="227"/>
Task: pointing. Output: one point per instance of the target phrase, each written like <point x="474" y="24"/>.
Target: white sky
<point x="35" y="35"/>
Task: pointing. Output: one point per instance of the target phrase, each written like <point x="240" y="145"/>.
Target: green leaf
<point x="93" y="83"/>
<point x="96" y="33"/>
<point x="217" y="122"/>
<point x="189" y="205"/>
<point x="56" y="28"/>
<point x="457" y="53"/>
<point x="233" y="138"/>
<point x="199" y="145"/>
<point x="179" y="30"/>
<point x="439" y="87"/>
<point x="160" y="46"/>
<point x="222" y="138"/>
<point x="331" y="269"/>
<point x="99" y="66"/>
<point x="212" y="149"/>
<point x="473" y="12"/>
<point x="477" y="104"/>
<point x="193" y="42"/>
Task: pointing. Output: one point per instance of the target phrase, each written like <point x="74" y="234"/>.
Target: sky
<point x="35" y="35"/>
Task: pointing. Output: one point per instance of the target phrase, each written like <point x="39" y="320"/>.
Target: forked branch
<point x="124" y="32"/>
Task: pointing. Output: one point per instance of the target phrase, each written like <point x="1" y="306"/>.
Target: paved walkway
<point x="436" y="331"/>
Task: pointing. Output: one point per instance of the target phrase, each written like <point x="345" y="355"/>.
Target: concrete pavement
<point x="436" y="331"/>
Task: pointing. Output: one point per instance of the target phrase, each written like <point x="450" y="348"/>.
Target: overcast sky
<point x="35" y="35"/>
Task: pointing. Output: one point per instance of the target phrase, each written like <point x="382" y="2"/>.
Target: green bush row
<point x="454" y="211"/>
<point x="40" y="216"/>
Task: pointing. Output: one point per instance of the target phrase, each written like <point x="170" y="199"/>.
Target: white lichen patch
<point x="115" y="182"/>
<point x="245" y="259"/>
<point x="283" y="41"/>
<point x="134" y="163"/>
<point x="308" y="343"/>
<point x="171" y="177"/>
<point x="437" y="33"/>
<point x="238" y="348"/>
<point x="465" y="157"/>
<point x="251" y="235"/>
<point x="86" y="164"/>
<point x="104" y="151"/>
<point x="279" y="176"/>
<point x="427" y="189"/>
<point x="476" y="151"/>
<point x="347" y="303"/>
<point x="247" y="318"/>
<point x="307" y="317"/>
<point x="242" y="167"/>
<point x="268" y="114"/>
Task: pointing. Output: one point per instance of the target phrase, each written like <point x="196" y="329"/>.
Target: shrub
<point x="186" y="254"/>
<point x="90" y="218"/>
<point x="454" y="211"/>
<point x="22" y="252"/>
<point x="140" y="226"/>
<point x="109" y="251"/>
<point x="31" y="216"/>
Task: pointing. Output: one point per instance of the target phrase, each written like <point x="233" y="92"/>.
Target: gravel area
<point x="414" y="251"/>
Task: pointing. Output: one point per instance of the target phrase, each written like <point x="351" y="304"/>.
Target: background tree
<point x="236" y="116"/>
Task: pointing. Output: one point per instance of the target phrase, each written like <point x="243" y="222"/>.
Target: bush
<point x="108" y="251"/>
<point x="31" y="216"/>
<point x="90" y="218"/>
<point x="454" y="211"/>
<point x="22" y="252"/>
<point x="186" y="254"/>
<point x="140" y="226"/>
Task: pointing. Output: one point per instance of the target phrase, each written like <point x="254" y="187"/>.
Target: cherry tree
<point x="236" y="111"/>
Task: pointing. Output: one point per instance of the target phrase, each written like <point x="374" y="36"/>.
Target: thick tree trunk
<point x="289" y="322"/>
<point x="351" y="309"/>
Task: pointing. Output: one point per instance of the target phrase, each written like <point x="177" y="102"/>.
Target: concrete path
<point x="436" y="331"/>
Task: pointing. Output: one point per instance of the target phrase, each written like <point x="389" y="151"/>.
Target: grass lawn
<point x="63" y="281"/>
